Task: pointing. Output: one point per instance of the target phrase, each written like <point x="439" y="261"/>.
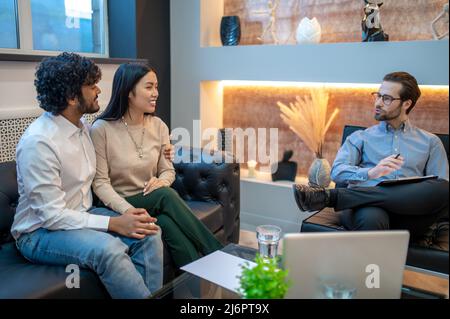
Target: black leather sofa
<point x="207" y="184"/>
<point x="428" y="253"/>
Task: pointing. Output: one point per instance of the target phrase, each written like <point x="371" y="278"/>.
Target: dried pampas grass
<point x="307" y="117"/>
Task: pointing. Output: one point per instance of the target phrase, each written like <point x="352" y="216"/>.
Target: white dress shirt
<point x="55" y="169"/>
<point x="423" y="152"/>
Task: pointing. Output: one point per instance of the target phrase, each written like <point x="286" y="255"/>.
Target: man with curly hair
<point x="55" y="222"/>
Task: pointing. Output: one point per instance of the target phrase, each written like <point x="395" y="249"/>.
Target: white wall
<point x="18" y="95"/>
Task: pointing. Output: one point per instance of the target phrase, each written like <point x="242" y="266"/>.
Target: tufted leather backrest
<point x="200" y="177"/>
<point x="209" y="178"/>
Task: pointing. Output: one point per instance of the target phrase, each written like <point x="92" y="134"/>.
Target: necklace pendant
<point x="141" y="153"/>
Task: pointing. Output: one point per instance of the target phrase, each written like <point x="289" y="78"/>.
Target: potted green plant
<point x="264" y="281"/>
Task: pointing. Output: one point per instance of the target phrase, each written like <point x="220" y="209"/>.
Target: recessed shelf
<point x="195" y="62"/>
<point x="340" y="21"/>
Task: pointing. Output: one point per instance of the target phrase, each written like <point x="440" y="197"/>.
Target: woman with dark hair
<point x="133" y="175"/>
<point x="55" y="222"/>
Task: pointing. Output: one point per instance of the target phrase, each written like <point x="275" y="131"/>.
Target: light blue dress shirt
<point x="423" y="152"/>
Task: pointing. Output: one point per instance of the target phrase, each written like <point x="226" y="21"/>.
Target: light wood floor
<point x="411" y="278"/>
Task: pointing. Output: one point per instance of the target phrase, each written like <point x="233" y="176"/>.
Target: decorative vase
<point x="309" y="31"/>
<point x="230" y="30"/>
<point x="319" y="173"/>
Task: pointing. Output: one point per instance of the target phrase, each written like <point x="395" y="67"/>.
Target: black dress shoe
<point x="310" y="198"/>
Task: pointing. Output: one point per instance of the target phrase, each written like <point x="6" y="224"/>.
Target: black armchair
<point x="429" y="253"/>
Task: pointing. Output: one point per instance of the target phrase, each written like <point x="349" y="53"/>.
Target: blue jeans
<point x="129" y="268"/>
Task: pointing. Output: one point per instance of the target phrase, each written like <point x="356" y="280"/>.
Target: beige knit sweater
<point x="120" y="171"/>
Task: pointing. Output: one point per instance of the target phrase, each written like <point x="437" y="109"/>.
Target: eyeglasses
<point x="387" y="99"/>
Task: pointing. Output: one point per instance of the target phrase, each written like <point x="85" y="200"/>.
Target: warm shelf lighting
<point x="239" y="83"/>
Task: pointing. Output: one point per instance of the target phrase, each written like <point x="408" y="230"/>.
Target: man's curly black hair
<point x="60" y="78"/>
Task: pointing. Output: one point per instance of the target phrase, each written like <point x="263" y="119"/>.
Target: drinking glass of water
<point x="268" y="238"/>
<point x="337" y="290"/>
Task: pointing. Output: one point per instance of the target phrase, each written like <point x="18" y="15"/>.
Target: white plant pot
<point x="309" y="31"/>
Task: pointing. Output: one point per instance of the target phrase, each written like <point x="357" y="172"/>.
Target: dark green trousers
<point x="185" y="235"/>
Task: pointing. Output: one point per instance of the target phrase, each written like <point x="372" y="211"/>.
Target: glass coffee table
<point x="189" y="286"/>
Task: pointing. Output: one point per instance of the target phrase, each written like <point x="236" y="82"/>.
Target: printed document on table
<point x="220" y="268"/>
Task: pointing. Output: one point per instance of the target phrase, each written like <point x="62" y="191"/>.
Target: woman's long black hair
<point x="125" y="79"/>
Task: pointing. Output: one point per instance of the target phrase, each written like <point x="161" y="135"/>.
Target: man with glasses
<point x="390" y="150"/>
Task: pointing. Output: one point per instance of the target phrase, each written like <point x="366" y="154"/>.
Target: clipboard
<point x="406" y="180"/>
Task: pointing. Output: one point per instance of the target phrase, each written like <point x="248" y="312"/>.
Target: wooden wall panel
<point x="256" y="107"/>
<point x="340" y="19"/>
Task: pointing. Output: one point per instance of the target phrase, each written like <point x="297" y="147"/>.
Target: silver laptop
<point x="363" y="265"/>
